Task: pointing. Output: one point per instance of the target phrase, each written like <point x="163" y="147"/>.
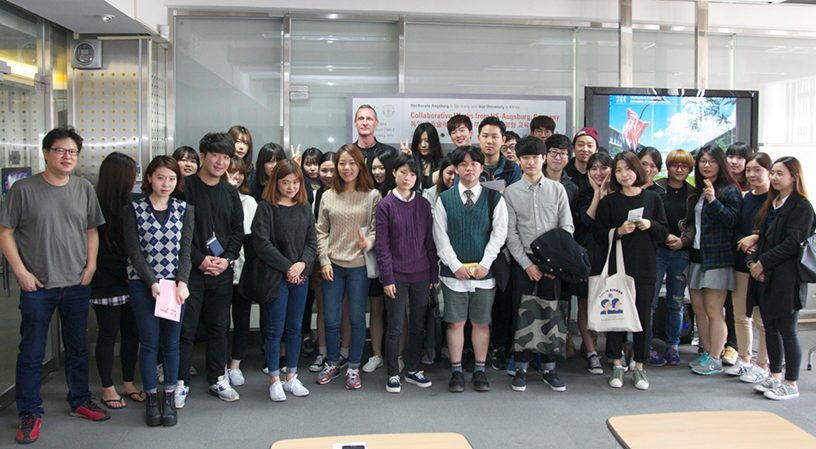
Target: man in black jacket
<point x="219" y="231"/>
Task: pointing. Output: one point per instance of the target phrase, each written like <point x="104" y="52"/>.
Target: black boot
<point x="154" y="415"/>
<point x="169" y="414"/>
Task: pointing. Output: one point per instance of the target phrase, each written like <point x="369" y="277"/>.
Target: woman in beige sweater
<point x="341" y="245"/>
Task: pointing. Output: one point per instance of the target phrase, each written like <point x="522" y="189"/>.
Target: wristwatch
<point x="231" y="262"/>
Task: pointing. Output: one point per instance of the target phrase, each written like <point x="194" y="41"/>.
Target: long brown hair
<point x="364" y="181"/>
<point x="240" y="133"/>
<point x="155" y="164"/>
<point x="795" y="168"/>
<point x="283" y="169"/>
<point x="117" y="175"/>
<point x="237" y="165"/>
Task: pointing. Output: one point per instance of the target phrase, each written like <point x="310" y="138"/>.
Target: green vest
<point x="468" y="229"/>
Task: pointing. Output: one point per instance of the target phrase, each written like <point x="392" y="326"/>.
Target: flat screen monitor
<point x="670" y="119"/>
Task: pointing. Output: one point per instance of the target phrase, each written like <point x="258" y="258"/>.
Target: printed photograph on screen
<point x="668" y="123"/>
<point x="12" y="175"/>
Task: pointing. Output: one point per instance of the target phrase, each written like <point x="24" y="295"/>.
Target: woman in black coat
<point x="784" y="222"/>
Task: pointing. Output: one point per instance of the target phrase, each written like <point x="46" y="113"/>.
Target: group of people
<point x="407" y="232"/>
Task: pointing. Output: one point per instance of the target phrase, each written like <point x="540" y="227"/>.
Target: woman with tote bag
<point x="637" y="217"/>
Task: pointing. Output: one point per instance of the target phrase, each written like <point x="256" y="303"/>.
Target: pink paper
<point x="167" y="305"/>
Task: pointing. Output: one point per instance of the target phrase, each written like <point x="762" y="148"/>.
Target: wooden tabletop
<point x="737" y="429"/>
<point x="388" y="440"/>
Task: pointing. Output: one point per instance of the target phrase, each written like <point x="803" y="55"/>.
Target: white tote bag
<point x="611" y="300"/>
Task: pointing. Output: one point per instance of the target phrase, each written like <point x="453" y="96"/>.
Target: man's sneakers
<point x="418" y="378"/>
<point x="319" y="363"/>
<point x="353" y="379"/>
<point x="373" y="363"/>
<point x="457" y="382"/>
<point x="783" y="392"/>
<point x="594" y="364"/>
<point x="393" y="385"/>
<point x="29" y="429"/>
<point x="499" y="360"/>
<point x="180" y="394"/>
<point x="655" y="359"/>
<point x="328" y="373"/>
<point x="755" y="374"/>
<point x="729" y="356"/>
<point x="519" y="380"/>
<point x="672" y="356"/>
<point x="236" y="377"/>
<point x="89" y="410"/>
<point x="479" y="381"/>
<point x="295" y="386"/>
<point x="552" y="380"/>
<point x="223" y="390"/>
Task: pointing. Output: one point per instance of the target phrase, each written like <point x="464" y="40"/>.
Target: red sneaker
<point x="29" y="429"/>
<point x="91" y="411"/>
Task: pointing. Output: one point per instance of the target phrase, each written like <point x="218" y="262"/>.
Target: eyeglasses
<point x="558" y="154"/>
<point x="708" y="163"/>
<point x="508" y="147"/>
<point x="683" y="167"/>
<point x="61" y="151"/>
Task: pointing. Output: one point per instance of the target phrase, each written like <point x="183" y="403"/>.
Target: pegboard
<point x="158" y="100"/>
<point x="22" y="122"/>
<point x="107" y="107"/>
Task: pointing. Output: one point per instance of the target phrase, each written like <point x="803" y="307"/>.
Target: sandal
<point x="136" y="396"/>
<point x="110" y="403"/>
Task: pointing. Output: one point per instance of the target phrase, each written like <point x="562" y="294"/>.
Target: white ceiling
<point x="82" y="16"/>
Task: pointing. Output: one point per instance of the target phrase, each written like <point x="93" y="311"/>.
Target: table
<point x="706" y="429"/>
<point x="388" y="440"/>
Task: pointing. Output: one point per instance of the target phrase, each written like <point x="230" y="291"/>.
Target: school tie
<point x="469" y="202"/>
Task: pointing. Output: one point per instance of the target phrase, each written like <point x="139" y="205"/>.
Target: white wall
<point x="150" y="13"/>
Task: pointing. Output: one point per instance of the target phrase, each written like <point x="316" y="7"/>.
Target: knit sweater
<point x="405" y="246"/>
<point x="341" y="216"/>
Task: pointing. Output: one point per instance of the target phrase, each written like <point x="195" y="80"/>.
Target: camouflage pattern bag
<point x="542" y="325"/>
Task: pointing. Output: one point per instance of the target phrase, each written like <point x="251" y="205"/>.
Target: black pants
<point x="241" y="310"/>
<point x="501" y="328"/>
<point x="644" y="293"/>
<point x="521" y="284"/>
<point x="731" y="338"/>
<point x="413" y="295"/>
<point x="111" y="321"/>
<point x="306" y="325"/>
<point x="210" y="300"/>
<point x="782" y="339"/>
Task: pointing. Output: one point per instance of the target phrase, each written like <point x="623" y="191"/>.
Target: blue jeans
<point x="284" y="319"/>
<point x="672" y="265"/>
<point x="152" y="331"/>
<point x="354" y="283"/>
<point x="37" y="308"/>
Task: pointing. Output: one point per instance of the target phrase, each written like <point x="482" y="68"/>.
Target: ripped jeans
<point x="672" y="265"/>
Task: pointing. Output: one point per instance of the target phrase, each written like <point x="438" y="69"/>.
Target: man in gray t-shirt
<point x="48" y="235"/>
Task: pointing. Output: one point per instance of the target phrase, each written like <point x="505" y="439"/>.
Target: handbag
<point x="807" y="261"/>
<point x="372" y="269"/>
<point x="541" y="325"/>
<point x="611" y="300"/>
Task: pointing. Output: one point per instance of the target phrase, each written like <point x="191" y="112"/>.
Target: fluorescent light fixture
<point x="331" y="139"/>
<point x="21" y="69"/>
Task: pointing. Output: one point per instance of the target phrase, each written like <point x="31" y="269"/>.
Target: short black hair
<point x="740" y="149"/>
<point x="655" y="155"/>
<point x="459" y="120"/>
<point x="542" y="121"/>
<point x="183" y="151"/>
<point x="530" y="146"/>
<point x="510" y="135"/>
<point x="221" y="143"/>
<point x="459" y="154"/>
<point x="561" y="142"/>
<point x="63" y="132"/>
<point x="493" y="120"/>
<point x="413" y="165"/>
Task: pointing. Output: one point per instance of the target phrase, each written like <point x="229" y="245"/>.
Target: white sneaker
<point x="372" y="364"/>
<point x="783" y="392"/>
<point x="180" y="394"/>
<point x="236" y="377"/>
<point x="160" y="373"/>
<point x="223" y="390"/>
<point x="768" y="384"/>
<point x="616" y="379"/>
<point x="755" y="374"/>
<point x="738" y="368"/>
<point x="295" y="386"/>
<point x="276" y="392"/>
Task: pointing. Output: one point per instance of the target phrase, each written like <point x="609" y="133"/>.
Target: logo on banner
<point x="388" y="110"/>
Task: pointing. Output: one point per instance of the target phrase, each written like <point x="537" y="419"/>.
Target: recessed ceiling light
<point x="106" y="17"/>
<point x="329" y="42"/>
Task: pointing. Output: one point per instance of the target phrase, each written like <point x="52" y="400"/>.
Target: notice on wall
<point x="400" y="114"/>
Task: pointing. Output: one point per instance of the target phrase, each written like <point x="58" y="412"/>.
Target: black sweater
<point x="639" y="247"/>
<point x="217" y="210"/>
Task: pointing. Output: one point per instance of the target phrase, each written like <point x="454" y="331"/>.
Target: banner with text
<point x="400" y="114"/>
